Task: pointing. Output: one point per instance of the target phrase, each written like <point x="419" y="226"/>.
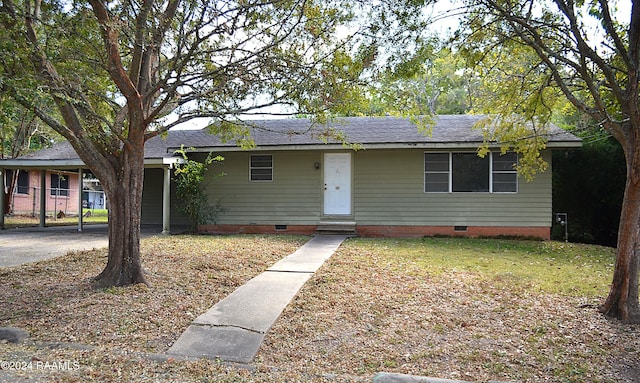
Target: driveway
<point x="26" y="245"/>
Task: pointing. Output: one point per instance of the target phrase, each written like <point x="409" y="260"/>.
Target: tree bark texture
<point x="11" y="185"/>
<point x="622" y="301"/>
<point x="124" y="192"/>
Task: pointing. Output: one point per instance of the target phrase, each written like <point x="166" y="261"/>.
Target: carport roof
<point x="448" y="132"/>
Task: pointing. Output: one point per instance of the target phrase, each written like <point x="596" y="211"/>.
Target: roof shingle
<point x="366" y="131"/>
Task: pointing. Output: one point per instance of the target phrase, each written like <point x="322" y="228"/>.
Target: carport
<point x="62" y="157"/>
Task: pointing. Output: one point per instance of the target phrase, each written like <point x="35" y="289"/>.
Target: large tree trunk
<point x="124" y="192"/>
<point x="622" y="302"/>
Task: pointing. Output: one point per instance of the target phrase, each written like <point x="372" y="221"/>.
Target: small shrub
<point x="193" y="200"/>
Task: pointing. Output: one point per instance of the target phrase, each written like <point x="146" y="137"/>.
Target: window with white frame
<point x="261" y="167"/>
<point x="22" y="183"/>
<point x="504" y="176"/>
<point x="465" y="172"/>
<point x="436" y="172"/>
<point x="59" y="185"/>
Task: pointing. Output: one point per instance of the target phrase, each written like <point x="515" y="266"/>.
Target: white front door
<point x="337" y="183"/>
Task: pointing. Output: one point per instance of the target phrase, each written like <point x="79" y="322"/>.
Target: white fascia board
<point x="75" y="163"/>
<point x="219" y="149"/>
<point x="422" y="145"/>
<point x="564" y="144"/>
<point x="42" y="164"/>
<point x="172" y="160"/>
<point x="162" y="162"/>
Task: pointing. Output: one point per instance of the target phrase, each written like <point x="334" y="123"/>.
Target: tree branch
<point x="139" y="42"/>
<point x="114" y="60"/>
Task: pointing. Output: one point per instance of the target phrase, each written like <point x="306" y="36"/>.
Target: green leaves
<point x="434" y="83"/>
<point x="532" y="58"/>
<point x="193" y="201"/>
<point x="516" y="133"/>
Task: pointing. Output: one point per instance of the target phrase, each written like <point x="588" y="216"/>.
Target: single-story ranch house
<point x="300" y="179"/>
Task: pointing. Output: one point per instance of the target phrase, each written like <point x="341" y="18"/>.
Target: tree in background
<point x="438" y="85"/>
<point x="20" y="132"/>
<point x="532" y="55"/>
<point x="118" y="73"/>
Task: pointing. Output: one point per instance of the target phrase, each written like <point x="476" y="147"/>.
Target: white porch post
<point x="43" y="197"/>
<point x="166" y="201"/>
<point x="80" y="199"/>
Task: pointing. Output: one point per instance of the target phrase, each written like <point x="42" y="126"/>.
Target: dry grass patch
<point x="188" y="274"/>
<point x="425" y="307"/>
<point x="476" y="310"/>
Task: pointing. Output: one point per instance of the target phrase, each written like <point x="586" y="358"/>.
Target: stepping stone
<point x="13" y="334"/>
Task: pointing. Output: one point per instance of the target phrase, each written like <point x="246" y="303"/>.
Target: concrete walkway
<point x="234" y="328"/>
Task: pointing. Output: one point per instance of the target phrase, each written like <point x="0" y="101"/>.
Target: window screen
<point x="470" y="173"/>
<point x="261" y="167"/>
<point x="505" y="175"/>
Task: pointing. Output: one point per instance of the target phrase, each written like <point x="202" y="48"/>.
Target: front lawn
<point x="471" y="309"/>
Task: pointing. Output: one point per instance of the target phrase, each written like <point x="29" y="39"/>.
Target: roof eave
<point x="42" y="164"/>
<point x="76" y="163"/>
<point x="564" y="144"/>
<point x="420" y="145"/>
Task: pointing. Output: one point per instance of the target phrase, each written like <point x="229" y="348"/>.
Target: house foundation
<point x="391" y="231"/>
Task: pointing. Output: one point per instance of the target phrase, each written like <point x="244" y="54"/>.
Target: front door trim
<point x="337" y="185"/>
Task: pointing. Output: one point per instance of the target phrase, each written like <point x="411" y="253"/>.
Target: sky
<point x="446" y="13"/>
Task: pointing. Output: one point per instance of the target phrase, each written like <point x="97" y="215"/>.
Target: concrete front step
<point x="337" y="227"/>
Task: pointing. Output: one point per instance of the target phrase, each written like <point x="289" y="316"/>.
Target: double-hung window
<point x="22" y="183"/>
<point x="504" y="176"/>
<point x="59" y="185"/>
<point x="261" y="167"/>
<point x="437" y="172"/>
<point x="465" y="172"/>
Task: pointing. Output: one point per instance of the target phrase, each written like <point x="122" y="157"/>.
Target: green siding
<point x="152" y="200"/>
<point x="388" y="189"/>
<point x="152" y="197"/>
<point x="292" y="198"/>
